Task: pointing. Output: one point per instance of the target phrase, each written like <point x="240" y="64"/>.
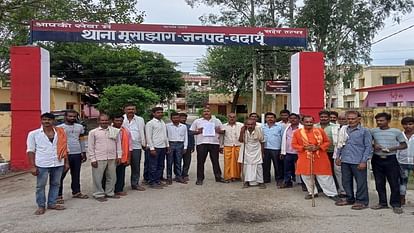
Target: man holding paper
<point x="206" y="131"/>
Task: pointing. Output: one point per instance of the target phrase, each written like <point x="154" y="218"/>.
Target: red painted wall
<point x="25" y="100"/>
<point x="311" y="83"/>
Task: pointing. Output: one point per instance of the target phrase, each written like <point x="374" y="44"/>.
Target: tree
<point x="115" y="97"/>
<point x="15" y="16"/>
<point x="344" y="30"/>
<point x="230" y="68"/>
<point x="100" y="66"/>
<point x="270" y="13"/>
<point x="267" y="61"/>
<point x="197" y="99"/>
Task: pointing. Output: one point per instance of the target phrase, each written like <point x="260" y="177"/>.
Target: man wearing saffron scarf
<point x="311" y="144"/>
<point x="47" y="151"/>
<point x="126" y="143"/>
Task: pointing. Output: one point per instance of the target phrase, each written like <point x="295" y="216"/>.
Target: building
<point x="373" y="82"/>
<point x="193" y="82"/>
<point x="392" y="95"/>
<point x="63" y="95"/>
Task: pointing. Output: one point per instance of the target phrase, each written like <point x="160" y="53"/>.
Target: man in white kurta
<point x="251" y="152"/>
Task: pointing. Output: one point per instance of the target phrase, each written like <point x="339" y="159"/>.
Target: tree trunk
<point x="235" y="100"/>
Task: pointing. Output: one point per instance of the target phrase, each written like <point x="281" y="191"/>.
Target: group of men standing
<point x="328" y="156"/>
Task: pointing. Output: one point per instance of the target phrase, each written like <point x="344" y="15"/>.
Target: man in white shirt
<point x="135" y="125"/>
<point x="289" y="154"/>
<point x="406" y="157"/>
<point x="207" y="131"/>
<point x="47" y="151"/>
<point x="157" y="140"/>
<point x="230" y="147"/>
<point x="178" y="140"/>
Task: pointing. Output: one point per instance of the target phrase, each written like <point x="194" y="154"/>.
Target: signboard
<point x="278" y="87"/>
<point x="166" y="34"/>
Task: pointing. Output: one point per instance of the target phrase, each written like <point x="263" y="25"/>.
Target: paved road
<point x="213" y="207"/>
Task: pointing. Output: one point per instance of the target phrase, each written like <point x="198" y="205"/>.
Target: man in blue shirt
<point x="387" y="141"/>
<point x="273" y="140"/>
<point x="354" y="148"/>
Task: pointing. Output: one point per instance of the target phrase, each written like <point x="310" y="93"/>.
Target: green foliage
<point x="241" y="118"/>
<point x="113" y="98"/>
<point x="15" y="16"/>
<point x="99" y="66"/>
<point x="270" y="13"/>
<point x="222" y="118"/>
<point x="197" y="99"/>
<point x="344" y="29"/>
<point x="232" y="67"/>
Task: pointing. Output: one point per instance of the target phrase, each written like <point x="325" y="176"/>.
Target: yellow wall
<point x="5" y="129"/>
<point x="397" y="114"/>
<point x="220" y="99"/>
<point x="373" y="75"/>
<point x="59" y="98"/>
<point x="5" y="96"/>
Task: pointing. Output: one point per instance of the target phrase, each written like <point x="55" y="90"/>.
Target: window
<point x="70" y="105"/>
<point x="5" y="107"/>
<point x="349" y="104"/>
<point x="241" y="108"/>
<point x="381" y="104"/>
<point x="387" y="80"/>
<point x="397" y="104"/>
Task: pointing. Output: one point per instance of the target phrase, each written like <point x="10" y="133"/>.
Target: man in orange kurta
<point x="312" y="143"/>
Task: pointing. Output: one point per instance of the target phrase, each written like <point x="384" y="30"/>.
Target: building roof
<point x="195" y="77"/>
<point x="387" y="87"/>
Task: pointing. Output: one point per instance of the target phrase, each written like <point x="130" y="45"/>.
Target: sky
<point x="392" y="51"/>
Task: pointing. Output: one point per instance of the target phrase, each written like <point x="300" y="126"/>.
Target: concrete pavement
<point x="213" y="207"/>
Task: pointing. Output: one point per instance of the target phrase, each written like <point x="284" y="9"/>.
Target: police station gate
<point x="30" y="65"/>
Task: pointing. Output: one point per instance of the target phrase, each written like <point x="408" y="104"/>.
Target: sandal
<point x="379" y="207"/>
<point x="359" y="206"/>
<point x="80" y="196"/>
<point x="59" y="200"/>
<point x="56" y="207"/>
<point x="343" y="202"/>
<point x="40" y="211"/>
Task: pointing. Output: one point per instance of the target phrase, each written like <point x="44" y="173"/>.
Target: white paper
<point x="209" y="129"/>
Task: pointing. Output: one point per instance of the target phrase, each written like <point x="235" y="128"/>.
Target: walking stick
<point x="242" y="166"/>
<point x="312" y="180"/>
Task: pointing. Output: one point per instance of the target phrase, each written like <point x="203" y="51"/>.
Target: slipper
<point x="80" y="196"/>
<point x="359" y="206"/>
<point x="40" y="211"/>
<point x="59" y="200"/>
<point x="101" y="199"/>
<point x="56" y="207"/>
<point x="379" y="207"/>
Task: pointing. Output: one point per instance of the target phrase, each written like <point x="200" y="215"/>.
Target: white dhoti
<point x="338" y="175"/>
<point x="327" y="184"/>
<point x="253" y="173"/>
<point x="250" y="156"/>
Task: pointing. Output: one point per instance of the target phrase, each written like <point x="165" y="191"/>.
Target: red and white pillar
<point x="30" y="97"/>
<point x="307" y="77"/>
